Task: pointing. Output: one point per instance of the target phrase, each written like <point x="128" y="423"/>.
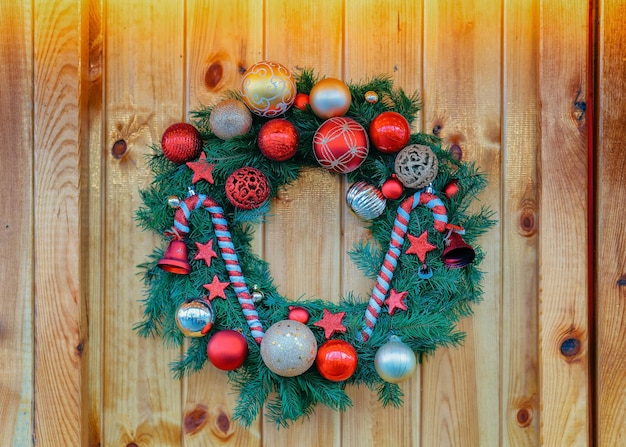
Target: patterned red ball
<point x="340" y="145"/>
<point x="389" y="132"/>
<point x="336" y="360"/>
<point x="227" y="349"/>
<point x="247" y="188"/>
<point x="181" y="142"/>
<point x="278" y="139"/>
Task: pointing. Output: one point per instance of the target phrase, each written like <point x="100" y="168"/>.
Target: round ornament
<point x="227" y="349"/>
<point x="173" y="201"/>
<point x="336" y="360"/>
<point x="393" y="188"/>
<point x="195" y="317"/>
<point x="298" y="313"/>
<point x="389" y="132"/>
<point x="366" y="200"/>
<point x="451" y="188"/>
<point x="268" y="89"/>
<point x="395" y="361"/>
<point x="302" y="100"/>
<point x="416" y="166"/>
<point x="340" y="145"/>
<point x="288" y="348"/>
<point x="371" y="97"/>
<point x="181" y="142"/>
<point x="278" y="139"/>
<point x="247" y="188"/>
<point x="330" y="97"/>
<point x="230" y="118"/>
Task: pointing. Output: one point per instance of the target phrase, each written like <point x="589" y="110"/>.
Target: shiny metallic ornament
<point x="268" y="89"/>
<point x="288" y="348"/>
<point x="195" y="317"/>
<point x="395" y="361"/>
<point x="330" y="97"/>
<point x="371" y="97"/>
<point x="173" y="201"/>
<point x="393" y="188"/>
<point x="256" y="293"/>
<point x="365" y="200"/>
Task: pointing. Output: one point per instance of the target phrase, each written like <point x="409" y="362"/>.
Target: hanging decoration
<point x="206" y="289"/>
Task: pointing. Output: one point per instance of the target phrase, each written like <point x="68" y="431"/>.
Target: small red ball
<point x="247" y="188"/>
<point x="393" y="188"/>
<point x="336" y="360"/>
<point x="451" y="188"/>
<point x="302" y="100"/>
<point x="298" y="313"/>
<point x="278" y="139"/>
<point x="389" y="132"/>
<point x="340" y="145"/>
<point x="227" y="349"/>
<point x="181" y="142"/>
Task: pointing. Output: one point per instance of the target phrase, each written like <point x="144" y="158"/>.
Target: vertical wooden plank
<point x="144" y="54"/>
<point x="520" y="376"/>
<point x="610" y="263"/>
<point x="59" y="129"/>
<point x="16" y="221"/>
<point x="462" y="102"/>
<point x="222" y="37"/>
<point x="563" y="261"/>
<point x="394" y="49"/>
<point x="305" y="257"/>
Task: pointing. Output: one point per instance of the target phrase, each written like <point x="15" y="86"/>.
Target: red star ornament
<point x="395" y="301"/>
<point x="201" y="170"/>
<point x="331" y="323"/>
<point x="420" y="246"/>
<point x="206" y="252"/>
<point x="216" y="288"/>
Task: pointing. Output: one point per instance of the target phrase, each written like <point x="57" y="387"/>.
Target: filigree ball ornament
<point x="278" y="139"/>
<point x="365" y="200"/>
<point x="330" y="97"/>
<point x="389" y="132"/>
<point x="247" y="188"/>
<point x="288" y="348"/>
<point x="227" y="349"/>
<point x="268" y="89"/>
<point x="340" y="145"/>
<point x="195" y="317"/>
<point x="181" y="142"/>
<point x="395" y="361"/>
<point x="230" y="118"/>
<point x="416" y="166"/>
<point x="336" y="360"/>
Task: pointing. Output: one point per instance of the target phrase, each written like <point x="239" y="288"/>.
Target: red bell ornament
<point x="174" y="259"/>
<point x="457" y="253"/>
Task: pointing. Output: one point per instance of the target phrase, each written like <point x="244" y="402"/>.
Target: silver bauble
<point x="365" y="200"/>
<point x="288" y="348"/>
<point x="395" y="361"/>
<point x="195" y="317"/>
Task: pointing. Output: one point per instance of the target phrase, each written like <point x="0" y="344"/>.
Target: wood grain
<point x="563" y="261"/>
<point x="144" y="93"/>
<point x="222" y="39"/>
<point x="59" y="129"/>
<point x="610" y="263"/>
<point x="394" y="49"/>
<point x="462" y="101"/>
<point x="16" y="221"/>
<point x="519" y="418"/>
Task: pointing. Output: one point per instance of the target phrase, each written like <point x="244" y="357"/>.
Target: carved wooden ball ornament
<point x="416" y="166"/>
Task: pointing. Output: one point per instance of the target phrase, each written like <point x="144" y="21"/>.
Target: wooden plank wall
<point x="505" y="80"/>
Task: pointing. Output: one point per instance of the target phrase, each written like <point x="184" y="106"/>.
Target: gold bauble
<point x="268" y="89"/>
<point x="288" y="348"/>
<point x="330" y="97"/>
<point x="230" y="118"/>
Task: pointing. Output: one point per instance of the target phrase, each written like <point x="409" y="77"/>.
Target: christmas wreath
<point x="206" y="289"/>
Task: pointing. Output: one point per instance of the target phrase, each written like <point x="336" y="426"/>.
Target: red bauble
<point x="389" y="132"/>
<point x="227" y="349"/>
<point x="302" y="100"/>
<point x="336" y="360"/>
<point x="247" y="188"/>
<point x="340" y="145"/>
<point x="393" y="188"/>
<point x="278" y="139"/>
<point x="298" y="313"/>
<point x="181" y="142"/>
<point x="451" y="188"/>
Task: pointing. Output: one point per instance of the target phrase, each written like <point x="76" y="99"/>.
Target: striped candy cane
<point x="227" y="249"/>
<point x="390" y="262"/>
